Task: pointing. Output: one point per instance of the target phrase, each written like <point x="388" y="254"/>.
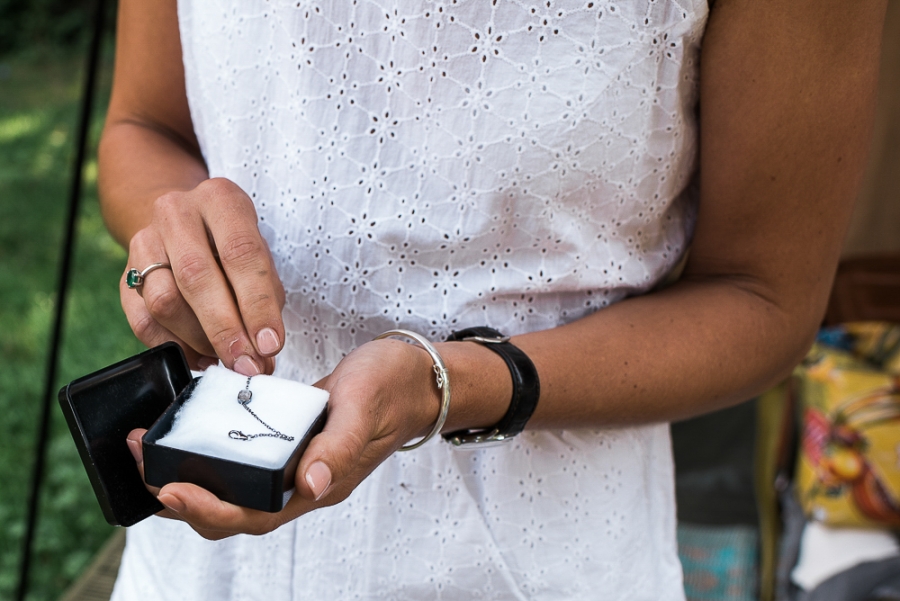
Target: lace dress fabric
<point x="433" y="166"/>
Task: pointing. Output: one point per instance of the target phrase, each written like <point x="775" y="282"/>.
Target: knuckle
<point x="217" y="186"/>
<point x="347" y="454"/>
<point x="144" y="328"/>
<point x="223" y="335"/>
<point x="240" y="248"/>
<point x="138" y="242"/>
<point x="163" y="304"/>
<point x="265" y="526"/>
<point x="222" y="190"/>
<point x="192" y="270"/>
<point x="168" y="203"/>
<point x="251" y="302"/>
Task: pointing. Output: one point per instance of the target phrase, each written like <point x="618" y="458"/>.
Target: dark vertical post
<point x="84" y="122"/>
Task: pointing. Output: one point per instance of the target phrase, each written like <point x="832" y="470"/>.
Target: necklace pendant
<point x="244" y="396"/>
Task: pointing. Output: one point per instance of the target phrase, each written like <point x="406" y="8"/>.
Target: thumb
<point x="334" y="453"/>
<point x="133" y="440"/>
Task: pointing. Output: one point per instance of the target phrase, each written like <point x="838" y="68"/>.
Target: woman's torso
<point x="433" y="166"/>
<point x="439" y="165"/>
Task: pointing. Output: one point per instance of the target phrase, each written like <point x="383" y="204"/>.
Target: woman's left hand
<point x="382" y="395"/>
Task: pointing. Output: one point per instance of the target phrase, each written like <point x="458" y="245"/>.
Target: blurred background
<point x="43" y="46"/>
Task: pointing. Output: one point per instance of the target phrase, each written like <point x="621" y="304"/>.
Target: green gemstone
<point x="133" y="278"/>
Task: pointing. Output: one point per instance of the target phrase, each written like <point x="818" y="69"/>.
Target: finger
<point x="202" y="282"/>
<point x="168" y="308"/>
<point x="134" y="445"/>
<point x="375" y="405"/>
<point x="133" y="440"/>
<point x="206" y="512"/>
<point x="248" y="264"/>
<point x="152" y="333"/>
<point x="336" y="452"/>
<point x="160" y="293"/>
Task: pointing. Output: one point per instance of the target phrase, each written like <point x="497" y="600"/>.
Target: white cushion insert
<point x="204" y="421"/>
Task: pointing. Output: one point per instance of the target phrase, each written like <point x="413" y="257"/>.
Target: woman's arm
<point x="148" y="146"/>
<point x="158" y="201"/>
<point x="787" y="93"/>
<point x="787" y="101"/>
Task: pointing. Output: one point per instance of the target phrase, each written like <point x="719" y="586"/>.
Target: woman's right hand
<point x="222" y="297"/>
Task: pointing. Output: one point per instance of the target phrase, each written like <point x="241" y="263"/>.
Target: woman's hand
<point x="383" y="394"/>
<point x="222" y="297"/>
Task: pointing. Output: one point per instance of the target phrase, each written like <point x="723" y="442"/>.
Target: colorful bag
<point x="848" y="388"/>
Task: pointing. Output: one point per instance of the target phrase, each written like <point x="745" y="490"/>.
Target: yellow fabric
<point x="848" y="471"/>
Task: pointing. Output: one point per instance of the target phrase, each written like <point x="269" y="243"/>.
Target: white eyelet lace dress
<point x="434" y="165"/>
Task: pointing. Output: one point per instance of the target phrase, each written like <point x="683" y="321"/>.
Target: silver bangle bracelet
<point x="441" y="376"/>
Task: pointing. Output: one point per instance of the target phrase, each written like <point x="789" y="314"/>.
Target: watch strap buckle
<point x="485" y="339"/>
<point x="478" y="438"/>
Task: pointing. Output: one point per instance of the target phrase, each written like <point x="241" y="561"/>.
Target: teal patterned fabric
<point x="719" y="562"/>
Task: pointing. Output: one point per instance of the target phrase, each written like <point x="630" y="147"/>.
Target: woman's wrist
<point x="480" y="382"/>
<point x="482" y="386"/>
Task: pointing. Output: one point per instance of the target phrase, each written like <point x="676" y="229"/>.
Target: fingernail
<point x="246" y="366"/>
<point x="136" y="451"/>
<point x="318" y="476"/>
<point x="267" y="341"/>
<point x="205" y="363"/>
<point x="237" y="349"/>
<point x="172" y="502"/>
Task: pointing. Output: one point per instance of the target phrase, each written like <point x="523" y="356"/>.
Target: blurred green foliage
<point x="38" y="114"/>
<point x="27" y="24"/>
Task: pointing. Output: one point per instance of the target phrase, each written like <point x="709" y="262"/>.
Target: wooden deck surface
<point x="96" y="584"/>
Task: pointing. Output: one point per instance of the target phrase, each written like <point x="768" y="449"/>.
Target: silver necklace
<point x="243" y="398"/>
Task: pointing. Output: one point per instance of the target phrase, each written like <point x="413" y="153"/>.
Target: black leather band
<point x="525" y="383"/>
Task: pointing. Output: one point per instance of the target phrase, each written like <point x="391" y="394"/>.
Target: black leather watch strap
<point x="525" y="383"/>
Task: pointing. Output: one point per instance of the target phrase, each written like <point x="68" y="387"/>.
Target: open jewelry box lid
<point x="103" y="407"/>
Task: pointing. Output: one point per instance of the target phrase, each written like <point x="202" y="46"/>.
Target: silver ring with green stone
<point x="135" y="279"/>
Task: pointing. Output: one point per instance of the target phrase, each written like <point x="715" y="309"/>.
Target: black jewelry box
<point x="239" y="483"/>
<point x="103" y="407"/>
<point x="145" y="391"/>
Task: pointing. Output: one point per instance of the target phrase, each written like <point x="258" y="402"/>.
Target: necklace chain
<point x="243" y="398"/>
